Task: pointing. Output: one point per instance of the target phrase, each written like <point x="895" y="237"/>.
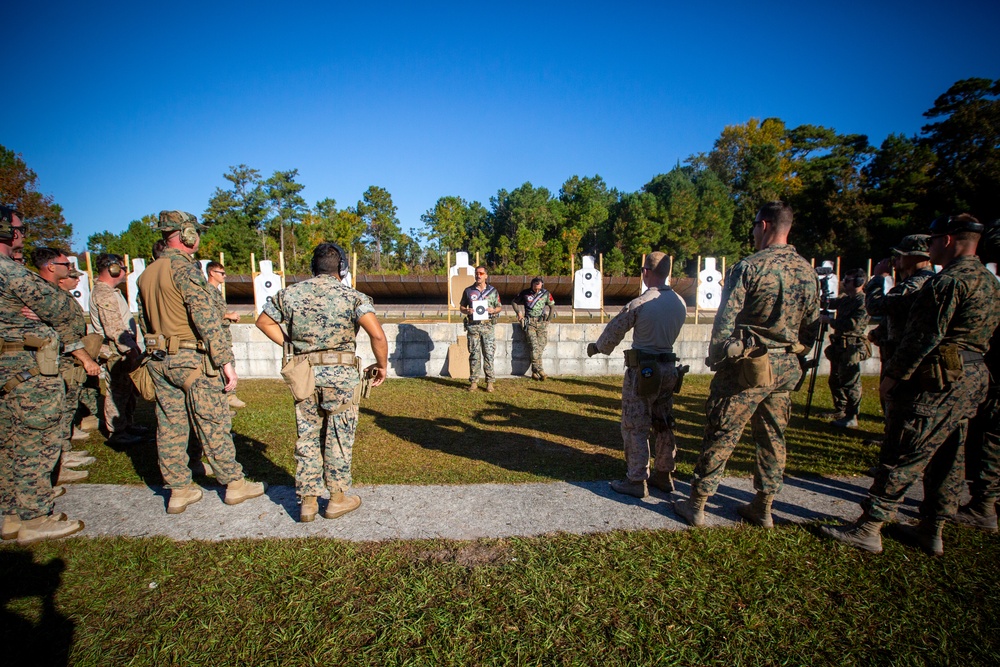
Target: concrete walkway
<point x="454" y="512"/>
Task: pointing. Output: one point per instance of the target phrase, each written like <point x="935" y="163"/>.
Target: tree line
<point x="851" y="199"/>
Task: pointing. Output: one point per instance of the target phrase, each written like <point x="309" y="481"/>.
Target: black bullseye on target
<point x="588" y="294"/>
<point x="267" y="284"/>
<point x="77" y="294"/>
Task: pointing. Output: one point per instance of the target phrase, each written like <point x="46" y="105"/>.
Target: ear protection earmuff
<point x="115" y="270"/>
<point x="189" y="236"/>
<point x="7" y="223"/>
<point x="344" y="268"/>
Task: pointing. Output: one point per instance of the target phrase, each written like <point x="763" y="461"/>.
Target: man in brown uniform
<point x="188" y="351"/>
<point x="110" y="316"/>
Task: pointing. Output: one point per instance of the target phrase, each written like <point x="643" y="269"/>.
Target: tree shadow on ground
<point x="512" y="451"/>
<point x="49" y="640"/>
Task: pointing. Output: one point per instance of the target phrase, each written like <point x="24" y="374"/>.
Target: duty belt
<point x="13" y="347"/>
<point x="192" y="345"/>
<point x="327" y="358"/>
<point x="634" y="357"/>
<point x="970" y="357"/>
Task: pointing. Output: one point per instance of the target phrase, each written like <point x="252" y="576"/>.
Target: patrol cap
<point x="657" y="262"/>
<point x="175" y="221"/>
<point x="914" y="245"/>
<point x="954" y="224"/>
<point x="73" y="273"/>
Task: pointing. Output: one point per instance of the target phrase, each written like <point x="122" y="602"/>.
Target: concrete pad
<point x="453" y="512"/>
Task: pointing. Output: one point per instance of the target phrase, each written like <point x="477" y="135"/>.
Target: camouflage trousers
<point x="730" y="407"/>
<point x="325" y="445"/>
<point x="982" y="448"/>
<point x="90" y="393"/>
<point x="73" y="377"/>
<point x="202" y="406"/>
<point x="845" y="381"/>
<point x="536" y="333"/>
<point x="29" y="450"/>
<point x="119" y="404"/>
<point x="928" y="431"/>
<point x="648" y="418"/>
<point x="482" y="349"/>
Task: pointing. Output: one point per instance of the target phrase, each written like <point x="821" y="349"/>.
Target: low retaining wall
<point x="421" y="350"/>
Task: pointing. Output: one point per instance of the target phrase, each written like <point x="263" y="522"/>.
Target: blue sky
<point x="124" y="109"/>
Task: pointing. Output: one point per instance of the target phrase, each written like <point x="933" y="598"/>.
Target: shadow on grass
<point x="512" y="451"/>
<point x="598" y="431"/>
<point x="250" y="453"/>
<point x="47" y="641"/>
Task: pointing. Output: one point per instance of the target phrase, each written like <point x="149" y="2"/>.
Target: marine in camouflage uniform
<point x="109" y="313"/>
<point x="30" y="403"/>
<point x="656" y="317"/>
<point x="535" y="307"/>
<point x="772" y="295"/>
<point x="982" y="460"/>
<point x="893" y="305"/>
<point x="175" y="304"/>
<point x="320" y="317"/>
<point x="481" y="334"/>
<point x="935" y="381"/>
<point x="848" y="347"/>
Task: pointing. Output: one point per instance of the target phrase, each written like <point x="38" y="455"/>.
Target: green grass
<point x="738" y="596"/>
<point x="430" y="431"/>
<point x="712" y="597"/>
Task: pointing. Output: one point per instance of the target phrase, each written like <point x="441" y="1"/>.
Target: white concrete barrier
<point x="421" y="350"/>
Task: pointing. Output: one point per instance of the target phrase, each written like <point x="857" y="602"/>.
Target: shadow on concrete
<point x="47" y="641"/>
<point x="418" y="344"/>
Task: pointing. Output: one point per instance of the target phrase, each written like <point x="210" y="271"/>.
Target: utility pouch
<point x="648" y="378"/>
<point x="754" y="369"/>
<point x="207" y="368"/>
<point x="173" y="345"/>
<point x="930" y="375"/>
<point x="46" y="354"/>
<point x="92" y="343"/>
<point x="143" y="381"/>
<point x="951" y="363"/>
<point x="156" y="342"/>
<point x="632" y="358"/>
<point x="298" y="375"/>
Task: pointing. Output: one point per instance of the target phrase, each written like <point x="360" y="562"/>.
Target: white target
<point x="587" y="286"/>
<point x="266" y="285"/>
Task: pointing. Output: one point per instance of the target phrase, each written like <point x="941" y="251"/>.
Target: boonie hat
<point x="914" y="245"/>
<point x="175" y="221"/>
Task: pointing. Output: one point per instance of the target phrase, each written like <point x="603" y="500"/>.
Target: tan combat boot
<point x="692" y="510"/>
<point x="473" y="386"/>
<point x="67" y="475"/>
<point x="11" y="525"/>
<point x="58" y="491"/>
<point x="341" y="504"/>
<point x="80" y="434"/>
<point x="542" y="376"/>
<point x="758" y="512"/>
<point x="74" y="459"/>
<point x="89" y="423"/>
<point x="241" y="489"/>
<point x="864" y="534"/>
<point x="926" y="535"/>
<point x="309" y="509"/>
<point x="235" y="403"/>
<point x="659" y="479"/>
<point x="629" y="488"/>
<point x="47" y="528"/>
<point x="489" y="387"/>
<point x="980" y="513"/>
<point x="181" y="498"/>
